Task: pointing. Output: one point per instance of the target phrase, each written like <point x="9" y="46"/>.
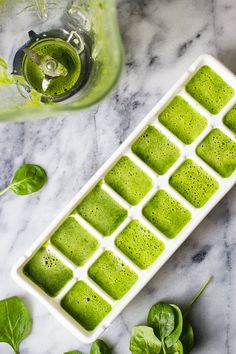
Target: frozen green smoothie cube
<point x="112" y="275"/>
<point x="194" y="183"/>
<point x="209" y="89"/>
<point x="74" y="241"/>
<point x="166" y="214"/>
<point x="183" y="120"/>
<point x="230" y="119"/>
<point x="85" y="305"/>
<point x="102" y="211"/>
<point x="219" y="151"/>
<point x="129" y="181"/>
<point x="156" y="150"/>
<point x="47" y="271"/>
<point x="139" y="244"/>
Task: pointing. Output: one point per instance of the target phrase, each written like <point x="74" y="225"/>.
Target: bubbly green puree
<point x="74" y="241"/>
<point x="128" y="180"/>
<point x="85" y="305"/>
<point x="166" y="213"/>
<point x="230" y="119"/>
<point x="139" y="244"/>
<point x="47" y="271"/>
<point x="209" y="89"/>
<point x="219" y="151"/>
<point x="194" y="183"/>
<point x="112" y="274"/>
<point x="156" y="150"/>
<point x="102" y="211"/>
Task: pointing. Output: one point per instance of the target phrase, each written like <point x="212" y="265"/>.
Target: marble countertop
<point x="161" y="39"/>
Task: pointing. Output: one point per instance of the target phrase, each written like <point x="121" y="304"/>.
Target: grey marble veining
<point x="161" y="39"/>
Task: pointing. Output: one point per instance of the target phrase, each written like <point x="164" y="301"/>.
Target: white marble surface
<point x="161" y="39"/>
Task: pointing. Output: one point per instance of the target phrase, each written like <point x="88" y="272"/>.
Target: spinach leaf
<point x="100" y="347"/>
<point x="161" y="318"/>
<point x="28" y="179"/>
<point x="176" y="349"/>
<point x="144" y="341"/>
<point x="15" y="322"/>
<point x="187" y="337"/>
<point x="174" y="336"/>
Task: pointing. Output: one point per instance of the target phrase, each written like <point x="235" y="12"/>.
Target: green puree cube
<point x="85" y="305"/>
<point x="219" y="151"/>
<point x="47" y="271"/>
<point x="166" y="214"/>
<point x="183" y="120"/>
<point x="156" y="150"/>
<point x="112" y="275"/>
<point x="139" y="244"/>
<point x="74" y="241"/>
<point x="128" y="180"/>
<point x="102" y="211"/>
<point x="230" y="119"/>
<point x="209" y="89"/>
<point x="194" y="183"/>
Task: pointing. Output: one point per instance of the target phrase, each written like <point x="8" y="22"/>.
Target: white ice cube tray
<point x="171" y="245"/>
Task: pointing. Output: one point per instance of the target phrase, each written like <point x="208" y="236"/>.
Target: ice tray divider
<point x="195" y="104"/>
<point x="155" y="231"/>
<point x="115" y="196"/>
<point x="208" y="169"/>
<point x="61" y="256"/>
<point x="141" y="164"/>
<point x="214" y="121"/>
<point x="171" y="136"/>
<point x="226" y="130"/>
<point x="86" y="225"/>
<point x="126" y="260"/>
<point x="99" y="290"/>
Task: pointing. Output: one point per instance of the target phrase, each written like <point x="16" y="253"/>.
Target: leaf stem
<point x="203" y="288"/>
<point x="163" y="346"/>
<point x="5" y="189"/>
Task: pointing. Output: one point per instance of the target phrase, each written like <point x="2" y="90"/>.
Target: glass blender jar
<point x="56" y="55"/>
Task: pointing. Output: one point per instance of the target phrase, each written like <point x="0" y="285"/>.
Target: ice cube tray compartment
<point x="129" y="207"/>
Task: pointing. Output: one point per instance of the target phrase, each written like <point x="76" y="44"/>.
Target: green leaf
<point x="177" y="348"/>
<point x="161" y="318"/>
<point x="174" y="336"/>
<point x="100" y="347"/>
<point x="144" y="341"/>
<point x="27" y="179"/>
<point x="15" y="322"/>
<point x="187" y="337"/>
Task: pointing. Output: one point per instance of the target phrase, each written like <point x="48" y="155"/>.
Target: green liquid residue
<point x="5" y="77"/>
<point x="34" y="98"/>
<point x="64" y="54"/>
